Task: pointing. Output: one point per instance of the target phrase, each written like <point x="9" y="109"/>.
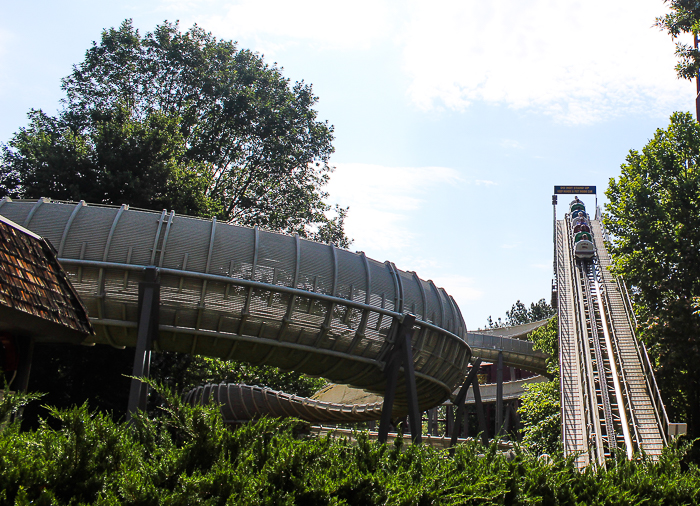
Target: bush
<point x="187" y="455"/>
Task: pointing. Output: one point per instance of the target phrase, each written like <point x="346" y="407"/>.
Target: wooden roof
<point x="36" y="297"/>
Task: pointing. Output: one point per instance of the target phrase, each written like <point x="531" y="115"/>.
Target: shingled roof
<point x="36" y="297"/>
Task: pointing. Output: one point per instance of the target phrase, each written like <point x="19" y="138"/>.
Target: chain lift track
<point x="610" y="403"/>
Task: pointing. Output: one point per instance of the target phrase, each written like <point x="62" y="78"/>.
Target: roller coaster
<point x="267" y="298"/>
<point x="611" y="405"/>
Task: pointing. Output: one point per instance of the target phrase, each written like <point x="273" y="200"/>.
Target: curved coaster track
<point x="266" y="298"/>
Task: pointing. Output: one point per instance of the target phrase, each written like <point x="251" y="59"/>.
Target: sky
<point x="453" y="119"/>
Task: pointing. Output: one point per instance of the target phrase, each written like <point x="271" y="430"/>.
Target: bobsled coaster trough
<point x="245" y="294"/>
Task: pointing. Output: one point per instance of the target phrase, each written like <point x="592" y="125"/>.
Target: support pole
<point x="401" y="354"/>
<point x="555" y="288"/>
<point x="148" y="319"/>
<point x="460" y="401"/>
<point x="449" y="419"/>
<point x="507" y="417"/>
<point x="24" y="368"/>
<point x="499" y="395"/>
<point x="697" y="83"/>
<point x="480" y="412"/>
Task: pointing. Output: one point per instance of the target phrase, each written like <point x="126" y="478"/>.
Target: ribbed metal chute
<point x="247" y="294"/>
<point x="240" y="403"/>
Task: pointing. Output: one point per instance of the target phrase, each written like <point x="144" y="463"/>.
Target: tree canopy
<point x="187" y="122"/>
<point x="654" y="218"/>
<point x="520" y="314"/>
<point x="184" y="121"/>
<point x="683" y="18"/>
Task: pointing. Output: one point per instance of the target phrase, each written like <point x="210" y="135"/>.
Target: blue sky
<point x="453" y="119"/>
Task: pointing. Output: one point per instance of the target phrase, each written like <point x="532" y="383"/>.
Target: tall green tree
<point x="186" y="121"/>
<point x="684" y="18"/>
<point x="654" y="218"/>
<point x="183" y="121"/>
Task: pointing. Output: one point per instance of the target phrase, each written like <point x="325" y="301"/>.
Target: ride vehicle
<point x="582" y="236"/>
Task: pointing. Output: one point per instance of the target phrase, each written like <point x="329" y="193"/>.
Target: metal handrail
<point x="257" y="284"/>
<point x="625" y="403"/>
<point x="647" y="369"/>
<point x="645" y="362"/>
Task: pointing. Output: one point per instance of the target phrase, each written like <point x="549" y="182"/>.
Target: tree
<point x="116" y="158"/>
<point x="180" y="121"/>
<point x="540" y="409"/>
<point x="519" y="314"/>
<point x="683" y="18"/>
<point x="185" y="121"/>
<point x="654" y="217"/>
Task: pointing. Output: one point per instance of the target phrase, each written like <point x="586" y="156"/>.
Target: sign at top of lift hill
<point x="573" y="190"/>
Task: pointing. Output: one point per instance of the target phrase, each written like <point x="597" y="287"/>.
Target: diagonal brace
<point x="401" y="354"/>
<point x="461" y="397"/>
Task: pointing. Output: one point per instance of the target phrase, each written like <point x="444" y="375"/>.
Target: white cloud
<point x="380" y="199"/>
<point x="511" y="245"/>
<point x="461" y="288"/>
<point x="511" y="144"/>
<point x="484" y="182"/>
<point x="579" y="61"/>
<point x="346" y="25"/>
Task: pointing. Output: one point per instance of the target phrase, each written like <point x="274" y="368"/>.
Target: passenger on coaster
<point x="582" y="236"/>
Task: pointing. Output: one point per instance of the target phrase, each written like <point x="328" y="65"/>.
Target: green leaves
<point x="654" y="218"/>
<point x="683" y="18"/>
<point x="186" y="455"/>
<point x="540" y="408"/>
<point x="184" y="121"/>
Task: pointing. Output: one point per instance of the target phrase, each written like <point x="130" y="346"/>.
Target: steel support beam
<point x="400" y="354"/>
<point x="459" y="401"/>
<point x="24" y="367"/>
<point x="481" y="417"/>
<point x="148" y="318"/>
<point x="499" y="395"/>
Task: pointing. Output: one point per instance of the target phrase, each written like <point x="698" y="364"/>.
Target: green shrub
<point x="187" y="455"/>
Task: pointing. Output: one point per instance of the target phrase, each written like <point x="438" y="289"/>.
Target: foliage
<point x="546" y="339"/>
<point x="540" y="409"/>
<point x="654" y="217"/>
<point x="75" y="375"/>
<point x="181" y="121"/>
<point x="114" y="158"/>
<point x="520" y="314"/>
<point x="12" y="403"/>
<point x="72" y="375"/>
<point x="683" y="18"/>
<point x="182" y="372"/>
<point x="187" y="456"/>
